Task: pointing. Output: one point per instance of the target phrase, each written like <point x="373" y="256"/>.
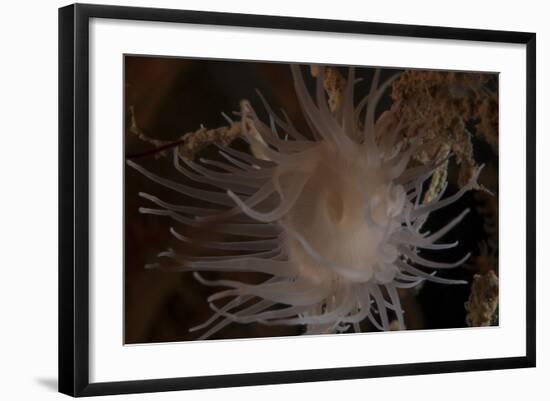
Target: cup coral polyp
<point x="336" y="218"/>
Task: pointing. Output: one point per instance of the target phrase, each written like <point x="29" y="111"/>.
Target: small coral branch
<point x="194" y="142"/>
<point x="134" y="129"/>
<point x="190" y="143"/>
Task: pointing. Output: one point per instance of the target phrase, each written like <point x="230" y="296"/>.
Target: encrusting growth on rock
<point x="334" y="84"/>
<point x="482" y="304"/>
<point x="441" y="104"/>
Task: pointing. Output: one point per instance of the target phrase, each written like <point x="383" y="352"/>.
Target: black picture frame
<point x="74" y="198"/>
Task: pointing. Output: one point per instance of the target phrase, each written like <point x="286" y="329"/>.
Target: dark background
<point x="174" y="96"/>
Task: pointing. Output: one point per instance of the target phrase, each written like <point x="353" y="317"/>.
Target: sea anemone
<point x="334" y="218"/>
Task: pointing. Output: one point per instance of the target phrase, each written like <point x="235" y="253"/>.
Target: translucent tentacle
<point x="213" y="197"/>
<point x="258" y="245"/>
<point x="394" y="296"/>
<point x="427" y="276"/>
<point x="434" y="265"/>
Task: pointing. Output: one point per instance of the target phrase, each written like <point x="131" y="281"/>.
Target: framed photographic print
<point x="249" y="199"/>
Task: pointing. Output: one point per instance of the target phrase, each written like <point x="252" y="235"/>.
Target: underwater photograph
<point x="270" y="199"/>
